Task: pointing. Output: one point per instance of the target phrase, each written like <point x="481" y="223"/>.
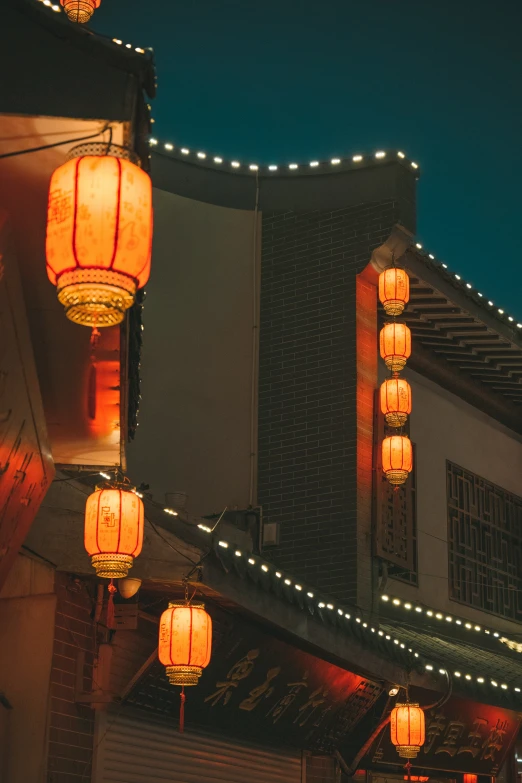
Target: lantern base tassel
<point x="182" y="698"/>
<point x="110" y="605"/>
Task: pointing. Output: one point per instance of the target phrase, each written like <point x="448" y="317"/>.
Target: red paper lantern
<point x="185" y="642"/>
<point x="396" y="401"/>
<point x="394" y="290"/>
<point x="468" y="777"/>
<point x="397" y="458"/>
<point x="99" y="233"/>
<point x="407" y="729"/>
<point x="80" y="10"/>
<point x="395" y="344"/>
<point x="113" y="532"/>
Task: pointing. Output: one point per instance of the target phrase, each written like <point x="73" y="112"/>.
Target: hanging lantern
<point x="99" y="232"/>
<point x="185" y="642"/>
<point x="113" y="530"/>
<point x="394" y="290"/>
<point x="396" y="401"/>
<point x="397" y="458"/>
<point x="395" y="346"/>
<point x="407" y="729"/>
<point x="80" y="10"/>
<point x="468" y="777"/>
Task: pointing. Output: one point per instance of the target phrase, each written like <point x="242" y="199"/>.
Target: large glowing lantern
<point x="99" y="232"/>
<point x="113" y="532"/>
<point x="80" y="10"/>
<point x="397" y="458"/>
<point x="407" y="729"/>
<point x="396" y="401"/>
<point x="394" y="290"/>
<point x="185" y="642"/>
<point x="395" y="344"/>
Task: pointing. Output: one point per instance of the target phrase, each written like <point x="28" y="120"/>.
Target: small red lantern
<point x="99" y="233"/>
<point x="407" y="729"/>
<point x="397" y="458"/>
<point x="185" y="642"/>
<point x="80" y="10"/>
<point x="394" y="290"/>
<point x="395" y="344"/>
<point x="113" y="532"/>
<point x="396" y="401"/>
<point x="468" y="777"/>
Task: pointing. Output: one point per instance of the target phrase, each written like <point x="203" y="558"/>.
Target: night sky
<point x="276" y="82"/>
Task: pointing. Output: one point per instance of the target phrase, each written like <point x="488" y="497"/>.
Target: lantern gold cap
<point x="174" y="604"/>
<point x="183" y="675"/>
<point x="408" y="751"/>
<point x="95" y="297"/>
<point x="396" y="419"/>
<point x="109" y="566"/>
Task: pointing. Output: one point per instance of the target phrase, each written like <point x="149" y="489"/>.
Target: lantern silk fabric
<point x="113" y="533"/>
<point x="394" y="290"/>
<point x="407" y="731"/>
<point x="185" y="642"/>
<point x="99" y="234"/>
<point x="395" y="401"/>
<point x="397" y="458"/>
<point x="395" y="345"/>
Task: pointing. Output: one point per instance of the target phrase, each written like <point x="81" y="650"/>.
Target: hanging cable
<point x="56" y="143"/>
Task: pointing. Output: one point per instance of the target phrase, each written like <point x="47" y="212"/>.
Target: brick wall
<point x="71" y="725"/>
<point x="307" y="461"/>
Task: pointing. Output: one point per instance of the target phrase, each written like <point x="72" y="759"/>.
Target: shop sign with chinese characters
<point x="260" y="687"/>
<point x="461" y="736"/>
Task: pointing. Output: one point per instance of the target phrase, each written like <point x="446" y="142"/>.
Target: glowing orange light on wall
<point x="468" y="777"/>
<point x="185" y="642"/>
<point x="397" y="458"/>
<point x="417" y="778"/>
<point x="99" y="232"/>
<point x="396" y="401"/>
<point x="407" y="729"/>
<point x="113" y="532"/>
<point x="394" y="290"/>
<point x="395" y="344"/>
<point x="80" y="10"/>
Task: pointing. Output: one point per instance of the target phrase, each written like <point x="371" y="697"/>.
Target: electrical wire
<point x="166" y="541"/>
<point x="54" y="144"/>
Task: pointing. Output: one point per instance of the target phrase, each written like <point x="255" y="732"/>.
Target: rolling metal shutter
<point x="133" y="747"/>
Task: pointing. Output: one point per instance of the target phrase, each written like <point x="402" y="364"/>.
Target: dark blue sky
<point x="272" y="81"/>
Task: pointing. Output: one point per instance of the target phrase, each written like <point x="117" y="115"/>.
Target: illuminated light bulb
<point x="407" y="606"/>
<point x="357" y="619"/>
<point x="510" y="318"/>
<point x="496" y="635"/>
<point x="314" y="163"/>
<point x="235" y="164"/>
<point x="490" y="304"/>
<point x="380" y="154"/>
<point x="457" y="277"/>
<point x="202" y="155"/>
<point x="480" y="679"/>
<point x="223" y="544"/>
<point x="288" y="582"/>
<point x="486" y="631"/>
<point x="218" y="160"/>
<point x="429" y="667"/>
<point x="185" y="151"/>
<point x="335" y="161"/>
<point x="401" y="155"/>
<point x="429" y="613"/>
<point x="128" y="46"/>
<point x="432" y="257"/>
<point x="418" y="245"/>
<point x="416" y="655"/>
<point x="396" y="641"/>
<point x="357" y="158"/>
<point x="381" y="633"/>
<point x="468" y="676"/>
<point x="293" y="166"/>
<point x="504" y="686"/>
<point x="449" y="619"/>
<point x="329" y="606"/>
<point x="414" y="165"/>
<point x="418" y="609"/>
<point x="438" y="616"/>
<point x="385" y="598"/>
<point x="468" y="285"/>
<point x="517" y="690"/>
<point x="272" y="168"/>
<point x="139" y="50"/>
<point x="169" y="146"/>
<point x="478" y="628"/>
<point x="347" y="615"/>
<point x="264" y="568"/>
<point x="457" y="674"/>
<point x="205" y="528"/>
<point x="468" y="626"/>
<point x="298" y="587"/>
<point x="310" y="595"/>
<point x="153" y="142"/>
<point x="278" y="574"/>
<point x="495" y="684"/>
<point x="237" y="553"/>
<point x="253" y="167"/>
<point x="403" y="646"/>
<point x="115" y="40"/>
<point x="321" y="605"/>
<point x="442" y="671"/>
<point x="105" y="476"/>
<point x="459" y="622"/>
<point x="479" y="294"/>
<point x="444" y="266"/>
<point x="396" y="602"/>
<point x="501" y="311"/>
<point x="340" y="611"/>
<point x="252" y="561"/>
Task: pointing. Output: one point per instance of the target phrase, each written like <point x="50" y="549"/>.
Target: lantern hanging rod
<point x="15" y="153"/>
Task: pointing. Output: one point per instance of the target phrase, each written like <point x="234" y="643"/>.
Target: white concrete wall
<point x="194" y="420"/>
<point x="444" y="427"/>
